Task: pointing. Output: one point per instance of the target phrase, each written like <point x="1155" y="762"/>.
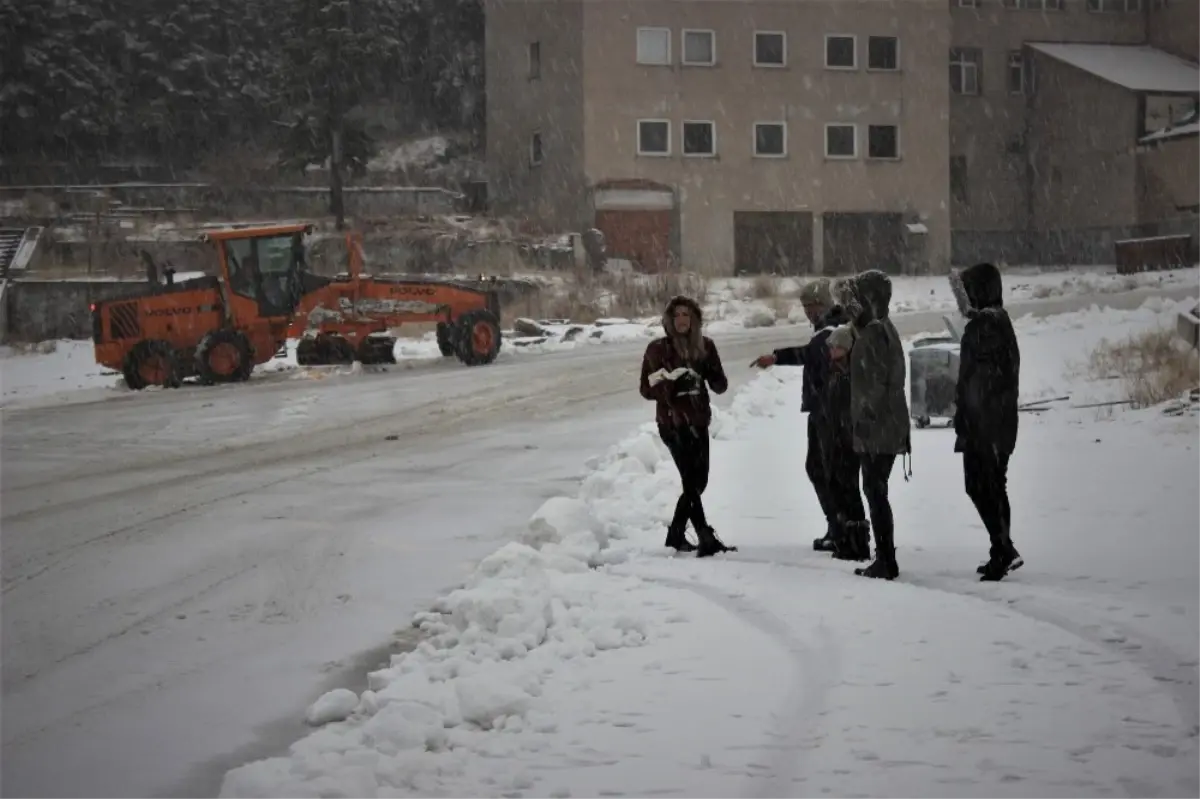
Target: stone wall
<point x="1078" y="247"/>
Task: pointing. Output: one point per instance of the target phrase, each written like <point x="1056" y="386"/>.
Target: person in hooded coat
<point x="985" y="414"/>
<point x="678" y="370"/>
<point x="823" y="314"/>
<point x="879" y="419"/>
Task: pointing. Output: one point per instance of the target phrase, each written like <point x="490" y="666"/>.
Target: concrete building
<point x="1046" y="121"/>
<point x="788" y="136"/>
<point x="808" y="136"/>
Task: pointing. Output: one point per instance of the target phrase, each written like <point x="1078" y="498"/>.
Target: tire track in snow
<point x="1171" y="673"/>
<point x="804" y="704"/>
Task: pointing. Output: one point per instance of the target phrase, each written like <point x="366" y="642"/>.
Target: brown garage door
<point x="643" y="237"/>
<point x="855" y="242"/>
<point x="772" y="242"/>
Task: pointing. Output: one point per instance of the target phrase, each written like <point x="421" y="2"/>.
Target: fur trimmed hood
<point x="690" y="347"/>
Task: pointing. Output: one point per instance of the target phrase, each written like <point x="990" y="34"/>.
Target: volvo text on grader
<point x="218" y="328"/>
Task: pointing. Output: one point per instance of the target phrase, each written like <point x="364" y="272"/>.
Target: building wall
<point x="1168" y="179"/>
<point x="1083" y="165"/>
<point x="1174" y="26"/>
<point x="987" y="129"/>
<point x="553" y="194"/>
<point x="734" y="94"/>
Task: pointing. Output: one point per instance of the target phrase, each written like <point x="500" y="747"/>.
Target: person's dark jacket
<point x="674" y="405"/>
<point x="985" y="414"/>
<point x="838" y="431"/>
<point x="814" y="357"/>
<point x="878" y="408"/>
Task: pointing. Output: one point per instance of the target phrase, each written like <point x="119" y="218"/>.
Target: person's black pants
<point x="985" y="472"/>
<point x="845" y="496"/>
<point x="876" y="471"/>
<point x="816" y="464"/>
<point x="689" y="450"/>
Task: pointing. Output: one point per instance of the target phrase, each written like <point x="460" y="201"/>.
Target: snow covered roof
<point x="1190" y="129"/>
<point x="1136" y="67"/>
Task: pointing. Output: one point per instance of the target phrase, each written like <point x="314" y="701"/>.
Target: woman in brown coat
<point x="677" y="372"/>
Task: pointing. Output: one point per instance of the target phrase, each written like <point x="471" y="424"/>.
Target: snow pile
<point x="537" y="609"/>
<point x="51" y="368"/>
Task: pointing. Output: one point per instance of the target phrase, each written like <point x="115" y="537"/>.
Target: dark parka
<point x="878" y="410"/>
<point x="814" y="357"/>
<point x="674" y="408"/>
<point x="985" y="415"/>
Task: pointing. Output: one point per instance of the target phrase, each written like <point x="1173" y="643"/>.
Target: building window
<point x="1035" y="5"/>
<point x="535" y="60"/>
<point x="958" y="179"/>
<point x="964" y="70"/>
<point x="654" y="46"/>
<point x="840" y="52"/>
<point x="654" y="137"/>
<point x="1016" y="72"/>
<point x="883" y="53"/>
<point x="699" y="139"/>
<point x="1114" y="6"/>
<point x="699" y="48"/>
<point x="770" y="139"/>
<point x="770" y="49"/>
<point x="535" y="149"/>
<point x="841" y="140"/>
<point x="968" y="3"/>
<point x="883" y="142"/>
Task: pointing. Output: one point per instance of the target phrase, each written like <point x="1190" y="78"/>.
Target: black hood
<point x="983" y="286"/>
<point x="873" y="292"/>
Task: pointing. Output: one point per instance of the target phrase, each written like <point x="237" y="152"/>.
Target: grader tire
<point x="478" y="338"/>
<point x="152" y="363"/>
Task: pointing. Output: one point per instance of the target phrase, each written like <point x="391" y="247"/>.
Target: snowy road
<point x="180" y="567"/>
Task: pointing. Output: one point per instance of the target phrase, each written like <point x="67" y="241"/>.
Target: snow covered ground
<point x="584" y="659"/>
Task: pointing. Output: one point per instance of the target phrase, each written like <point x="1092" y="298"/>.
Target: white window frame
<point x="1113" y="6"/>
<point x="1014" y="60"/>
<point x="782" y="125"/>
<point x="650" y="153"/>
<point x="825" y="144"/>
<point x="683" y="137"/>
<point x="883" y="69"/>
<point x="712" y="37"/>
<point x="534" y="66"/>
<point x="899" y="150"/>
<point x="767" y="64"/>
<point x="537" y="160"/>
<point x="825" y="51"/>
<point x="638" y="47"/>
<point x="963" y="64"/>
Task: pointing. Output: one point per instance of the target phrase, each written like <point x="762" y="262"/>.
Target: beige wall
<point x="1169" y="177"/>
<point x="983" y="127"/>
<point x="1175" y="27"/>
<point x="554" y="194"/>
<point x="734" y="94"/>
<point x="1081" y="146"/>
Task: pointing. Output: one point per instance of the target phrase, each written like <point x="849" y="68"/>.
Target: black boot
<point x="857" y="542"/>
<point x="829" y="542"/>
<point x="1014" y="564"/>
<point x="884" y="566"/>
<point x="677" y="538"/>
<point x="711" y="545"/>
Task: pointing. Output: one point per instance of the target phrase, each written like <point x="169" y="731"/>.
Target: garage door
<point x="643" y="237"/>
<point x="855" y="242"/>
<point x="772" y="242"/>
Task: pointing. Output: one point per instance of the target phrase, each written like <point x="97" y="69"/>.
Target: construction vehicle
<point x="219" y="327"/>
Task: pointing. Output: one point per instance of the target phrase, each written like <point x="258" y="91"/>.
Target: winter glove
<point x="654" y="378"/>
<point x="688" y="383"/>
<point x="675" y="374"/>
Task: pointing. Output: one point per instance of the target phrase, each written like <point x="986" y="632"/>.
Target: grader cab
<point x="218" y="328"/>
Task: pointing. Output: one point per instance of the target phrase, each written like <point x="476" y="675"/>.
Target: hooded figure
<point x="823" y="314"/>
<point x="853" y="540"/>
<point x="678" y="370"/>
<point x="879" y="417"/>
<point x="985" y="414"/>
